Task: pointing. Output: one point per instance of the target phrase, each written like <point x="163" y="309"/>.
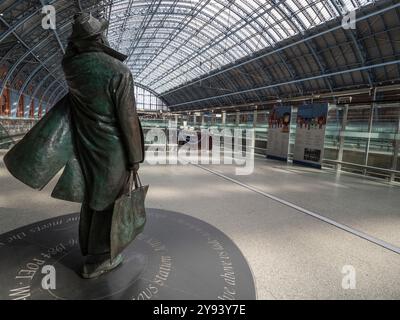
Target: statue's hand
<point x="134" y="167"/>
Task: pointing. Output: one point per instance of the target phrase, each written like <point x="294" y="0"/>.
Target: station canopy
<point x="170" y="42"/>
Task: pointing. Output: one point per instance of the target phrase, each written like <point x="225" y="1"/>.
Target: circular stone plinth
<point x="176" y="257"/>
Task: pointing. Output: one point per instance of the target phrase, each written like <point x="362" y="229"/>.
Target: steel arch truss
<point x="321" y="59"/>
<point x="211" y="52"/>
<point x="171" y="42"/>
<point x="30" y="56"/>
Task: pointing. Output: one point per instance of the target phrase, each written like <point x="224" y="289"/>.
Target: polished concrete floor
<point x="293" y="255"/>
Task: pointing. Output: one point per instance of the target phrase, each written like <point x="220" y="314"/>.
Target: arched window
<point x="147" y="101"/>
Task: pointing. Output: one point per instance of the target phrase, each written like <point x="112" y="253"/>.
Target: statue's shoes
<point x="95" y="270"/>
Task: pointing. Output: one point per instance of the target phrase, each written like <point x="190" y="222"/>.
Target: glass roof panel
<point x="170" y="42"/>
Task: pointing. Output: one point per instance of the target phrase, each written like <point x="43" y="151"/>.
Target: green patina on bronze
<point x="99" y="112"/>
<point x="45" y="150"/>
<point x="94" y="133"/>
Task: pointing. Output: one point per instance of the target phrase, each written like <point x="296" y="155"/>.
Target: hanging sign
<point x="310" y="135"/>
<point x="279" y="133"/>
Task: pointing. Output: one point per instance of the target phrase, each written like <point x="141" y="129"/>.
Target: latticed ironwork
<point x="207" y="52"/>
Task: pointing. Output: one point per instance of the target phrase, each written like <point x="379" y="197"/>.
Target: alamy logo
<point x="349" y="278"/>
<point x="349" y="19"/>
<point x="209" y="146"/>
<point x="49" y="20"/>
<point x="49" y="280"/>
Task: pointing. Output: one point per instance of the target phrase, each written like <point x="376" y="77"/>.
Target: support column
<point x="40" y="112"/>
<point x="6" y="97"/>
<point x="255" y="115"/>
<point x="32" y="109"/>
<point x="21" y="107"/>
<point x="396" y="151"/>
<point x="341" y="136"/>
<point x="203" y="120"/>
<point x="223" y="118"/>
<point x="370" y="123"/>
<point x="237" y="122"/>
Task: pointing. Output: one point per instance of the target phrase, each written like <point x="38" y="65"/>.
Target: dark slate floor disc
<point x="176" y="257"/>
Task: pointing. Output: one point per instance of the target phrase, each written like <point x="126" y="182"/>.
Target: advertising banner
<point x="310" y="135"/>
<point x="279" y="133"/>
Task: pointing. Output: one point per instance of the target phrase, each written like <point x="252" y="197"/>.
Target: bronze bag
<point x="129" y="216"/>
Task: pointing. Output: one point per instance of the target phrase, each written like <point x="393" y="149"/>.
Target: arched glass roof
<point x="170" y="42"/>
<point x="148" y="101"/>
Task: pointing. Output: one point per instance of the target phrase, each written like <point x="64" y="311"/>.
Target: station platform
<point x="298" y="228"/>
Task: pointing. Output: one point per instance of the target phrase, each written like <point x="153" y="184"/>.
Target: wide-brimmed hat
<point x="86" y="26"/>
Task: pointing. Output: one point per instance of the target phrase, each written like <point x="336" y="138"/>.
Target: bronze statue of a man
<point x="94" y="131"/>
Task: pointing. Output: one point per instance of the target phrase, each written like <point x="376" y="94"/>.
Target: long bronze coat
<point x="94" y="131"/>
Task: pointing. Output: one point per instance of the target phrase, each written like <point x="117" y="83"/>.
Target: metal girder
<point x="39" y="85"/>
<point x="108" y="11"/>
<point x="79" y="5"/>
<point x="124" y="23"/>
<point x="14" y="27"/>
<point x="361" y="52"/>
<point x="139" y="85"/>
<point x="363" y="68"/>
<point x="289" y="68"/>
<point x="12" y="30"/>
<point x="178" y="29"/>
<point x="184" y="12"/>
<point x="266" y="75"/>
<point x="284" y="47"/>
<point x="210" y="17"/>
<point x="225" y="36"/>
<point x="181" y="26"/>
<point x="46" y="59"/>
<point x="53" y="95"/>
<point x="58" y="97"/>
<point x="44" y="62"/>
<point x="141" y="30"/>
<point x="17" y="25"/>
<point x="32" y="75"/>
<point x="55" y="33"/>
<point x="45" y="93"/>
<point x="10" y="72"/>
<point x="310" y="45"/>
<point x="56" y="91"/>
<point x="53" y="98"/>
<point x="251" y="20"/>
<point x="28" y="53"/>
<point x="61" y="91"/>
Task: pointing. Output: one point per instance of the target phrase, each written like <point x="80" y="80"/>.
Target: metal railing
<point x="13" y="130"/>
